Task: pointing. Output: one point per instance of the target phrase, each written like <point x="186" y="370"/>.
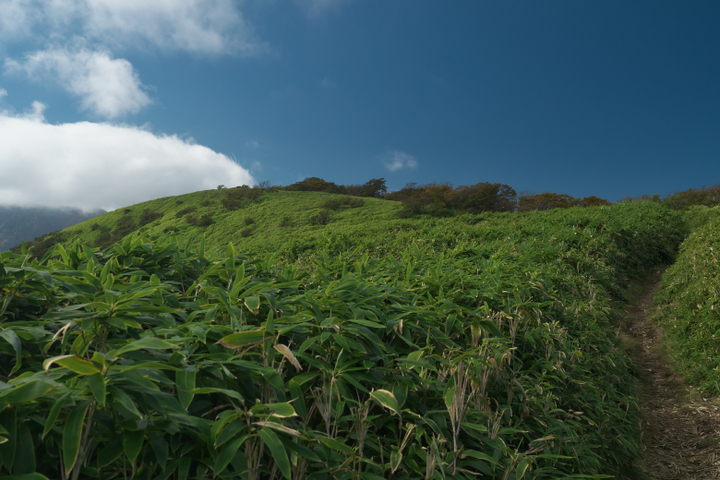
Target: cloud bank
<point x="99" y="165"/>
<point x="396" y="159"/>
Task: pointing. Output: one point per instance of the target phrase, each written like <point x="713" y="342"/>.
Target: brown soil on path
<point x="681" y="430"/>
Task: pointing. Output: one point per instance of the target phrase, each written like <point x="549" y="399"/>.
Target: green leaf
<point x="241" y="339"/>
<point x="152" y="343"/>
<point x="160" y="447"/>
<point x="73" y="362"/>
<point x="450" y="397"/>
<point x="229" y="393"/>
<point x="8" y="419"/>
<point x="386" y="399"/>
<point x="297" y="395"/>
<point x="71" y="437"/>
<point x="227" y="454"/>
<point x="282" y="410"/>
<point x="25" y="462"/>
<point x="97" y="387"/>
<point x="277" y="449"/>
<point x="395" y="459"/>
<point x="253" y="304"/>
<point x="26" y="392"/>
<point x="185" y="383"/>
<point x="521" y="469"/>
<point x="132" y="444"/>
<point x="12" y="338"/>
<point x="54" y="411"/>
<point x="110" y="453"/>
<point x="124" y="400"/>
<point x="335" y="445"/>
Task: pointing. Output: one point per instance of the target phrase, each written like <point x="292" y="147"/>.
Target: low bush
<point x="148" y="217"/>
<point x="185" y="211"/>
<point x="322" y="218"/>
<point x="205" y="221"/>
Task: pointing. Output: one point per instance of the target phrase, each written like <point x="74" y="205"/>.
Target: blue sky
<point x="106" y="103"/>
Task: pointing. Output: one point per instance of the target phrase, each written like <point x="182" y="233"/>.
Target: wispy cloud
<point x="98" y="165"/>
<point x="318" y="8"/>
<point x="396" y="159"/>
<point x="252" y="144"/>
<point x="106" y="86"/>
<point x="198" y="26"/>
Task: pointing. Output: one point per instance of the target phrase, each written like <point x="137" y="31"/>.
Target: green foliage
<point x="205" y="221"/>
<point x="322" y="218"/>
<point x="482" y="347"/>
<point x="149" y="217"/>
<point x="708" y="196"/>
<point x="689" y="304"/>
<point x="336" y="203"/>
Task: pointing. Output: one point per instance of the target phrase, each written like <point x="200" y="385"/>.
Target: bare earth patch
<point x="681" y="430"/>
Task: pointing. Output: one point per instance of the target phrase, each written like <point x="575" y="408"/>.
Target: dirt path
<point x="681" y="430"/>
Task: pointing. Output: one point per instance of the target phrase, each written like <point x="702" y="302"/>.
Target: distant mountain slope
<point x="255" y="221"/>
<point x="22" y="223"/>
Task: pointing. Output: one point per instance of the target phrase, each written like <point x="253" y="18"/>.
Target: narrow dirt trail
<point x="681" y="430"/>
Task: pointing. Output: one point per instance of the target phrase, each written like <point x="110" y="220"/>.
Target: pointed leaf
<point x="25" y="392"/>
<point x="97" y="387"/>
<point x="71" y="437"/>
<point x="395" y="459"/>
<point x="73" y="362"/>
<point x="241" y="339"/>
<point x="54" y="411"/>
<point x="277" y="449"/>
<point x="335" y="445"/>
<point x="12" y="338"/>
<point x="132" y="444"/>
<point x="227" y="454"/>
<point x="386" y="399"/>
<point x="253" y="304"/>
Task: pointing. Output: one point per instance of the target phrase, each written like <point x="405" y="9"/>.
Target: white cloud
<point x="396" y="159"/>
<point x="3" y="93"/>
<point x="99" y="165"/>
<point x="106" y="86"/>
<point x="252" y="144"/>
<point x="198" y="26"/>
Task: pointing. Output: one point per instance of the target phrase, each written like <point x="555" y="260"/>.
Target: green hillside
<point x="476" y="346"/>
<point x="258" y="224"/>
<point x="689" y="302"/>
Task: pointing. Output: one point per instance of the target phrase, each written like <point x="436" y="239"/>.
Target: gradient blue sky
<point x="606" y="98"/>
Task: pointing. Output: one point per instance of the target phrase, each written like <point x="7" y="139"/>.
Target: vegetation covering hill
<point x="253" y="219"/>
<point x="389" y="348"/>
<point x="689" y="302"/>
<point x="26" y="223"/>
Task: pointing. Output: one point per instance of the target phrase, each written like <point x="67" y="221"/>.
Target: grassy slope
<point x="267" y="213"/>
<point x="549" y="281"/>
<point x="689" y="302"/>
